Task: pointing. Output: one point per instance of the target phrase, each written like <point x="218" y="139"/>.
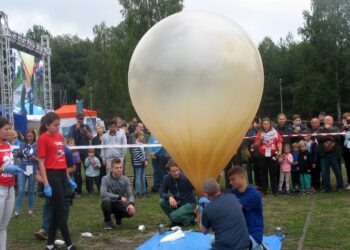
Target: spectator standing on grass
<point x="43" y="232"/>
<point x="114" y="136"/>
<point x="251" y="204"/>
<point x="116" y="194"/>
<point x="315" y="172"/>
<point x="159" y="160"/>
<point x="93" y="165"/>
<point x="177" y="196"/>
<point x="328" y="151"/>
<point x="285" y="161"/>
<point x="97" y="140"/>
<point x="139" y="160"/>
<point x="15" y="144"/>
<point x="269" y="143"/>
<point x="139" y="127"/>
<point x="311" y="146"/>
<point x="305" y="165"/>
<point x="346" y="146"/>
<point x="297" y="128"/>
<point x="282" y="127"/>
<point x="82" y="135"/>
<point x="321" y="117"/>
<point x="295" y="167"/>
<point x="132" y="127"/>
<point x="29" y="163"/>
<point x="7" y="181"/>
<point x="53" y="169"/>
<point x="225" y="217"/>
<point x="77" y="162"/>
<point x="315" y="125"/>
<point x="252" y="132"/>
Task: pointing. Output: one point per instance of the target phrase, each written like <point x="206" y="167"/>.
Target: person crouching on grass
<point x="116" y="194"/>
<point x="181" y="202"/>
<point x="53" y="168"/>
<point x="251" y="204"/>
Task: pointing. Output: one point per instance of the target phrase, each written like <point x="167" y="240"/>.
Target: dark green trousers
<point x="183" y="214"/>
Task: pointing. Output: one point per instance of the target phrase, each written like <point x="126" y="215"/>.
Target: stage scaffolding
<point x="8" y="40"/>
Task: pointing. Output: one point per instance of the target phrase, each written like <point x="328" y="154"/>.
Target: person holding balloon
<point x="7" y="180"/>
<point x="269" y="144"/>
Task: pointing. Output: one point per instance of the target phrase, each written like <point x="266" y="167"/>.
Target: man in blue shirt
<point x="179" y="205"/>
<point x="159" y="160"/>
<point x="224" y="216"/>
<point x="251" y="203"/>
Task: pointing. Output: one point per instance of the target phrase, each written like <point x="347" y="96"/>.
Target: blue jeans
<point x="22" y="180"/>
<point x="330" y="161"/>
<point x="140" y="180"/>
<point x="159" y="170"/>
<point x="47" y="213"/>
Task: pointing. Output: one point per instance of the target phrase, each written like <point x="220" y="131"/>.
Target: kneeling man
<point x="224" y="216"/>
<point x="116" y="194"/>
<point x="251" y="203"/>
<point x="179" y="205"/>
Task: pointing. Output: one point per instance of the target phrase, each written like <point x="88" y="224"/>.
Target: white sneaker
<point x="347" y="187"/>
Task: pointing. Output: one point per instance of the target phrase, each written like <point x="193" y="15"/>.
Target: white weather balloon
<point x="196" y="81"/>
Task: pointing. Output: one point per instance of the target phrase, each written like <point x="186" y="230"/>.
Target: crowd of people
<point x="302" y="153"/>
<point x="44" y="163"/>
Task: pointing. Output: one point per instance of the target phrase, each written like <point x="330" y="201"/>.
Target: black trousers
<point x="267" y="167"/>
<point x="58" y="182"/>
<point x="117" y="208"/>
<point x="347" y="163"/>
<point x="316" y="176"/>
<point x="90" y="183"/>
<point x="295" y="180"/>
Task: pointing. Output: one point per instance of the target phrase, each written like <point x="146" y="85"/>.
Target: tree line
<point x="313" y="74"/>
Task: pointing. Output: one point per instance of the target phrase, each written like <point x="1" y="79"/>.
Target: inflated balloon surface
<point x="196" y="81"/>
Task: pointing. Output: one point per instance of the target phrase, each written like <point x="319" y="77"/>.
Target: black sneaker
<point x="54" y="248"/>
<point x="108" y="225"/>
<point x="72" y="247"/>
<point x="145" y="195"/>
<point x="118" y="222"/>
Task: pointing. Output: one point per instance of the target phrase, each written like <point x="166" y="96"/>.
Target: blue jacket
<point x="158" y="151"/>
<point x="181" y="189"/>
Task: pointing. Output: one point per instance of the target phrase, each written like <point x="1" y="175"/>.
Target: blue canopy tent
<point x="20" y="121"/>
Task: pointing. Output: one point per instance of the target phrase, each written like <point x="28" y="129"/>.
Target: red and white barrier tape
<point x="160" y="145"/>
<point x="304" y="135"/>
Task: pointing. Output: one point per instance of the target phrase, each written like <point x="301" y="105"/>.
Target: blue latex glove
<point x="202" y="203"/>
<point x="12" y="169"/>
<point x="48" y="191"/>
<point x="72" y="184"/>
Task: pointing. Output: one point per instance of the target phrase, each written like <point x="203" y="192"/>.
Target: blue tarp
<point x="198" y="241"/>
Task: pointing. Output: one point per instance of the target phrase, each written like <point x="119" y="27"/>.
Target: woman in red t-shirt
<point x="53" y="168"/>
<point x="269" y="144"/>
<point x="7" y="181"/>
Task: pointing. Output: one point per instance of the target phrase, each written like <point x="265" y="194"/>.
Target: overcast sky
<point x="260" y="18"/>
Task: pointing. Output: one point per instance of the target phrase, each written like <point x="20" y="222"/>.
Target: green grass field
<point x="328" y="228"/>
